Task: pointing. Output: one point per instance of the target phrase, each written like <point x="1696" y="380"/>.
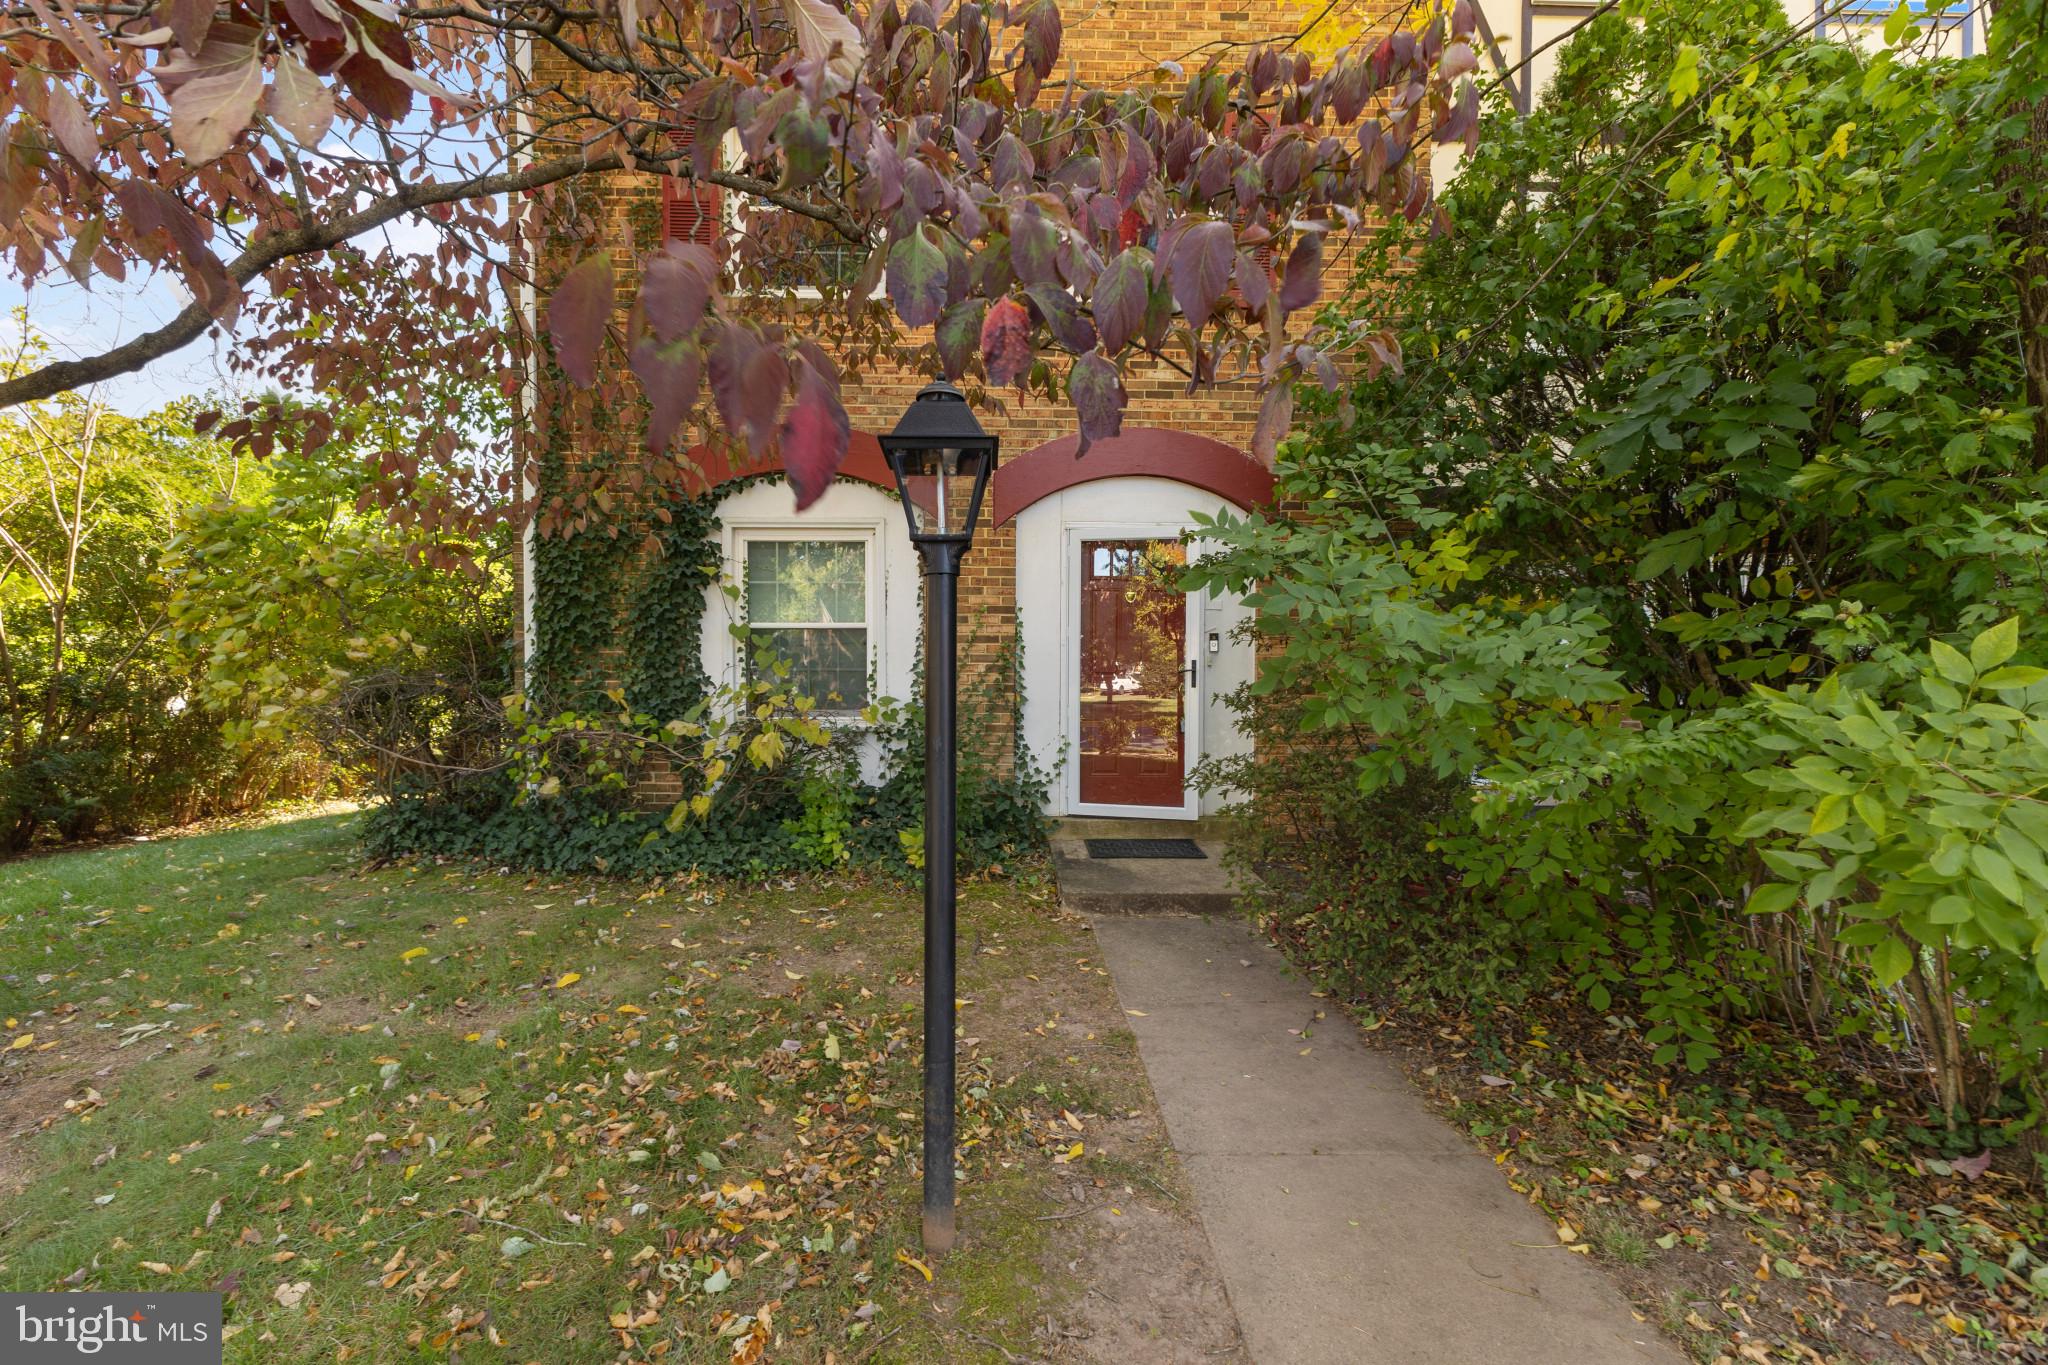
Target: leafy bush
<point x="101" y="730"/>
<point x="1718" y="495"/>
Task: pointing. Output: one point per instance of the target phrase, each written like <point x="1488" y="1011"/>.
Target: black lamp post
<point x="942" y="460"/>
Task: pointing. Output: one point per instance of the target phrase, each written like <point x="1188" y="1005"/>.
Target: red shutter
<point x="690" y="210"/>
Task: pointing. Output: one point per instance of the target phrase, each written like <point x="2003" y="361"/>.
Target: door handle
<point x="1188" y="673"/>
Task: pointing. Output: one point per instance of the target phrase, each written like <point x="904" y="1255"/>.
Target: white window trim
<point x="868" y="534"/>
<point x="732" y="210"/>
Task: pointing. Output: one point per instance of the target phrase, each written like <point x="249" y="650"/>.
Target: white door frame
<point x="1070" y="668"/>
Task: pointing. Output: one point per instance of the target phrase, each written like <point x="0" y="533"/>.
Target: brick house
<point x="1122" y="677"/>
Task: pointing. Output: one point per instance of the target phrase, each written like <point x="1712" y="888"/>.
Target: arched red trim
<point x="1145" y="452"/>
<point x="864" y="461"/>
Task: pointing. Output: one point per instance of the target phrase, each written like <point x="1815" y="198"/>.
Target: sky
<point x="79" y="324"/>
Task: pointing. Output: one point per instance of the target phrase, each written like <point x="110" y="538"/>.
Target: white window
<point x="810" y="597"/>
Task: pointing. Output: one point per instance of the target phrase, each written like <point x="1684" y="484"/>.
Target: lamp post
<point x="942" y="460"/>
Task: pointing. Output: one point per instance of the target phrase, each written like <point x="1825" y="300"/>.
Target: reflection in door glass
<point x="1133" y="648"/>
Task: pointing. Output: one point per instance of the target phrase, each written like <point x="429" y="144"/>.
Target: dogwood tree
<point x="1006" y="224"/>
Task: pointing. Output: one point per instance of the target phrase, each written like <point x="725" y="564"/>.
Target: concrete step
<point x="1124" y="827"/>
<point x="1143" y="886"/>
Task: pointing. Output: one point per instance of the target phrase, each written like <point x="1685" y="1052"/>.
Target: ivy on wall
<point x="617" y="628"/>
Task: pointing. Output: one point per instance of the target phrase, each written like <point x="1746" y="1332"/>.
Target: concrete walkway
<point x="1352" y="1226"/>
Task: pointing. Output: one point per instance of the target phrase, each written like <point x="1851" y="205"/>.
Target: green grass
<point x="432" y="1110"/>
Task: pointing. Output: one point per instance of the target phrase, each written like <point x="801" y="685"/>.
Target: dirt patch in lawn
<point x="1124" y="1242"/>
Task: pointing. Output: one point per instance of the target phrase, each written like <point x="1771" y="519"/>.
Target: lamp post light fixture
<point x="942" y="460"/>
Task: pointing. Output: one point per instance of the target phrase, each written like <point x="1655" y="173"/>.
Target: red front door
<point x="1133" y="646"/>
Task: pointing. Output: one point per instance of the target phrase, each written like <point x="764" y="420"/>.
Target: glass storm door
<point x="1133" y="646"/>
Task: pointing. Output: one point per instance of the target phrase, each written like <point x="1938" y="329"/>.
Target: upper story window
<point x="811" y="601"/>
<point x="788" y="253"/>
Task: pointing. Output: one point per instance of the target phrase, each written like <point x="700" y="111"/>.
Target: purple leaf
<point x="318" y="23"/>
<point x="1034" y="246"/>
<point x="1006" y="342"/>
<point x="1012" y="163"/>
<point x="1254" y="281"/>
<point x="1459" y="58"/>
<point x="1200" y="268"/>
<point x="190" y="19"/>
<point x="1303" y="281"/>
<point x="1121" y="292"/>
<point x="577" y="314"/>
<point x="917" y="279"/>
<point x="670" y="374"/>
<point x="677" y="286"/>
<point x="1097" y="393"/>
<point x="1062" y="314"/>
<point x="1972" y="1167"/>
<point x="748" y="378"/>
<point x="1042" y="32"/>
<point x="814" y="437"/>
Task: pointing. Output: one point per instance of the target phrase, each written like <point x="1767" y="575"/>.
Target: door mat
<point x="1144" y="848"/>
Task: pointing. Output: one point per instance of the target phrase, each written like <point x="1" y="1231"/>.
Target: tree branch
<point x="62" y="376"/>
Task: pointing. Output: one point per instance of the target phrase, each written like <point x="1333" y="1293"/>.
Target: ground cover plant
<point x="443" y="1111"/>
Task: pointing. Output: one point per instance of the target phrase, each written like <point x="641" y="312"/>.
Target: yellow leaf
<point x="793" y="976"/>
<point x="410" y="954"/>
<point x="25" y="1040"/>
<point x="1566" y="1232"/>
<point x="919" y="1266"/>
<point x="567" y="979"/>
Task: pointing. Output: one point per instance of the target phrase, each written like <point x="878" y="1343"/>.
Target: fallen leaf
<point x="567" y="979"/>
<point x="411" y="953"/>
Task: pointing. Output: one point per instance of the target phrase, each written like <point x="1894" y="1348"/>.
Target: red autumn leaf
<point x="814" y="437"/>
<point x="577" y="314"/>
<point x="1006" y="342"/>
<point x="1276" y="412"/>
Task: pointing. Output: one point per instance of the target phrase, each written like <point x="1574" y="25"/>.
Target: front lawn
<point x="446" y="1112"/>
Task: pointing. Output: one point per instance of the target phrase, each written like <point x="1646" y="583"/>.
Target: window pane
<point x="793" y="582"/>
<point x="830" y="666"/>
